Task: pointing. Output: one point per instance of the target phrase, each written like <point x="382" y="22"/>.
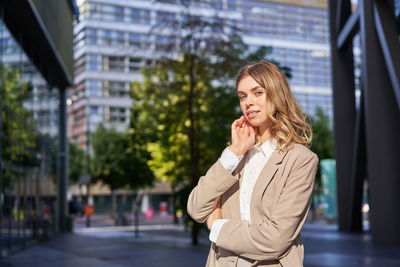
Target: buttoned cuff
<point x="216" y="228"/>
<point x="229" y="160"/>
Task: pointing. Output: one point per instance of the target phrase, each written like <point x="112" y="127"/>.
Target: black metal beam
<point x="351" y="27"/>
<point x="389" y="40"/>
<point x="344" y="111"/>
<point x="382" y="131"/>
<point x="339" y="15"/>
<point x="36" y="41"/>
<point x="62" y="177"/>
<point x="358" y="172"/>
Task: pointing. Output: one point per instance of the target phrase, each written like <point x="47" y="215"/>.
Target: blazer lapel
<point x="240" y="168"/>
<point x="265" y="177"/>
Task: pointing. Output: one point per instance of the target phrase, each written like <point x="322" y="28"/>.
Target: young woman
<point x="256" y="197"/>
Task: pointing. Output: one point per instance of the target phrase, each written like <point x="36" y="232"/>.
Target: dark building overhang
<point x="44" y="30"/>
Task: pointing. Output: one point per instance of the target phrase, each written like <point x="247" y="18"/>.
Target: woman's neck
<point x="265" y="132"/>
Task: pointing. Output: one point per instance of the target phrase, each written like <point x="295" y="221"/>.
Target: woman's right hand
<point x="243" y="136"/>
<point x="215" y="215"/>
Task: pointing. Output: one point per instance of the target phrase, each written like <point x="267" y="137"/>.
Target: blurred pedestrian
<point x="256" y="197"/>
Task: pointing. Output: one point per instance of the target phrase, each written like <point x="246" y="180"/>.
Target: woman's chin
<point x="255" y="123"/>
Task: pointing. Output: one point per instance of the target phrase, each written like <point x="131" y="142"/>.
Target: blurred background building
<point x="114" y="39"/>
<point x="35" y="69"/>
<point x="43" y="99"/>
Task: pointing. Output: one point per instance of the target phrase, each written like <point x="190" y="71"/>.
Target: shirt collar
<point x="268" y="147"/>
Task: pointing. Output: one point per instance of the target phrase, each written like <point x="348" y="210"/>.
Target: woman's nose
<point x="249" y="102"/>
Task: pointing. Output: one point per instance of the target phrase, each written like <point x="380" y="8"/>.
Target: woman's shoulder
<point x="301" y="151"/>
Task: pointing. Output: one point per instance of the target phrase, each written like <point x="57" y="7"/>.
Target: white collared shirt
<point x="255" y="162"/>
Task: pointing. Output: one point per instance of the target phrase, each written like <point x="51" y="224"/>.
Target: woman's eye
<point x="259" y="93"/>
<point x="242" y="97"/>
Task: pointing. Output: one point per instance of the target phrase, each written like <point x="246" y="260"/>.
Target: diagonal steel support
<point x="389" y="41"/>
<point x="350" y="29"/>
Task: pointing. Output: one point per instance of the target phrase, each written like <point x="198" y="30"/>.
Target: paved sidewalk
<point x="326" y="247"/>
<point x="161" y="246"/>
<point x="169" y="245"/>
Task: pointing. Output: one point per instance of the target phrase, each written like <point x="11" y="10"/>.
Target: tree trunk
<point x="192" y="140"/>
<point x="195" y="233"/>
<point x="173" y="201"/>
<point x="113" y="204"/>
<point x="135" y="210"/>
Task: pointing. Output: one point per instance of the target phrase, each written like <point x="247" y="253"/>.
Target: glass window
<point x="116" y="63"/>
<point x="134" y="15"/>
<point x="91" y="35"/>
<point x="107" y="37"/>
<point x="120" y="40"/>
<point x="94" y="109"/>
<point x="146" y="18"/>
<point x="134" y="39"/>
<point x="91" y="62"/>
<point x="165" y="17"/>
<point x="135" y="64"/>
<point x="119" y="13"/>
<point x="163" y="42"/>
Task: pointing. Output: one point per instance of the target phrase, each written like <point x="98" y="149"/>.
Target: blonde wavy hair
<point x="289" y="124"/>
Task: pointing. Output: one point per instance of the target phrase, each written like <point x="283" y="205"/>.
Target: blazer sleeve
<point x="204" y="197"/>
<point x="272" y="239"/>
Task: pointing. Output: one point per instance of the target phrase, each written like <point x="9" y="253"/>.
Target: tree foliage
<point x="119" y="161"/>
<point x="322" y="143"/>
<point x="19" y="137"/>
<point x="116" y="162"/>
<point x="76" y="162"/>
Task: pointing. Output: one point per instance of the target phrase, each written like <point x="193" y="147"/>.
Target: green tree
<point x="20" y="138"/>
<point x="76" y="162"/>
<point x="118" y="163"/>
<point x="322" y="143"/>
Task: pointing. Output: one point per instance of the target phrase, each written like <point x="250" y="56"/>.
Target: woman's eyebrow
<point x="252" y="89"/>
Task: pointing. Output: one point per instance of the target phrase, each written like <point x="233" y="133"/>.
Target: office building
<point x="114" y="39"/>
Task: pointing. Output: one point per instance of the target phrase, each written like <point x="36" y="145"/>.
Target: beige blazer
<point x="278" y="209"/>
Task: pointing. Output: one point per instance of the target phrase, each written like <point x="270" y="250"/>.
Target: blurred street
<point x="160" y="243"/>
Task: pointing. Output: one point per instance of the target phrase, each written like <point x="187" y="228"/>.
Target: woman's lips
<point x="252" y="114"/>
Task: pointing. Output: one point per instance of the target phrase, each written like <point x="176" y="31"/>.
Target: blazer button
<point x="217" y="255"/>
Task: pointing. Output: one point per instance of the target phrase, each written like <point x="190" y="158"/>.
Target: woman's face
<point x="253" y="102"/>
